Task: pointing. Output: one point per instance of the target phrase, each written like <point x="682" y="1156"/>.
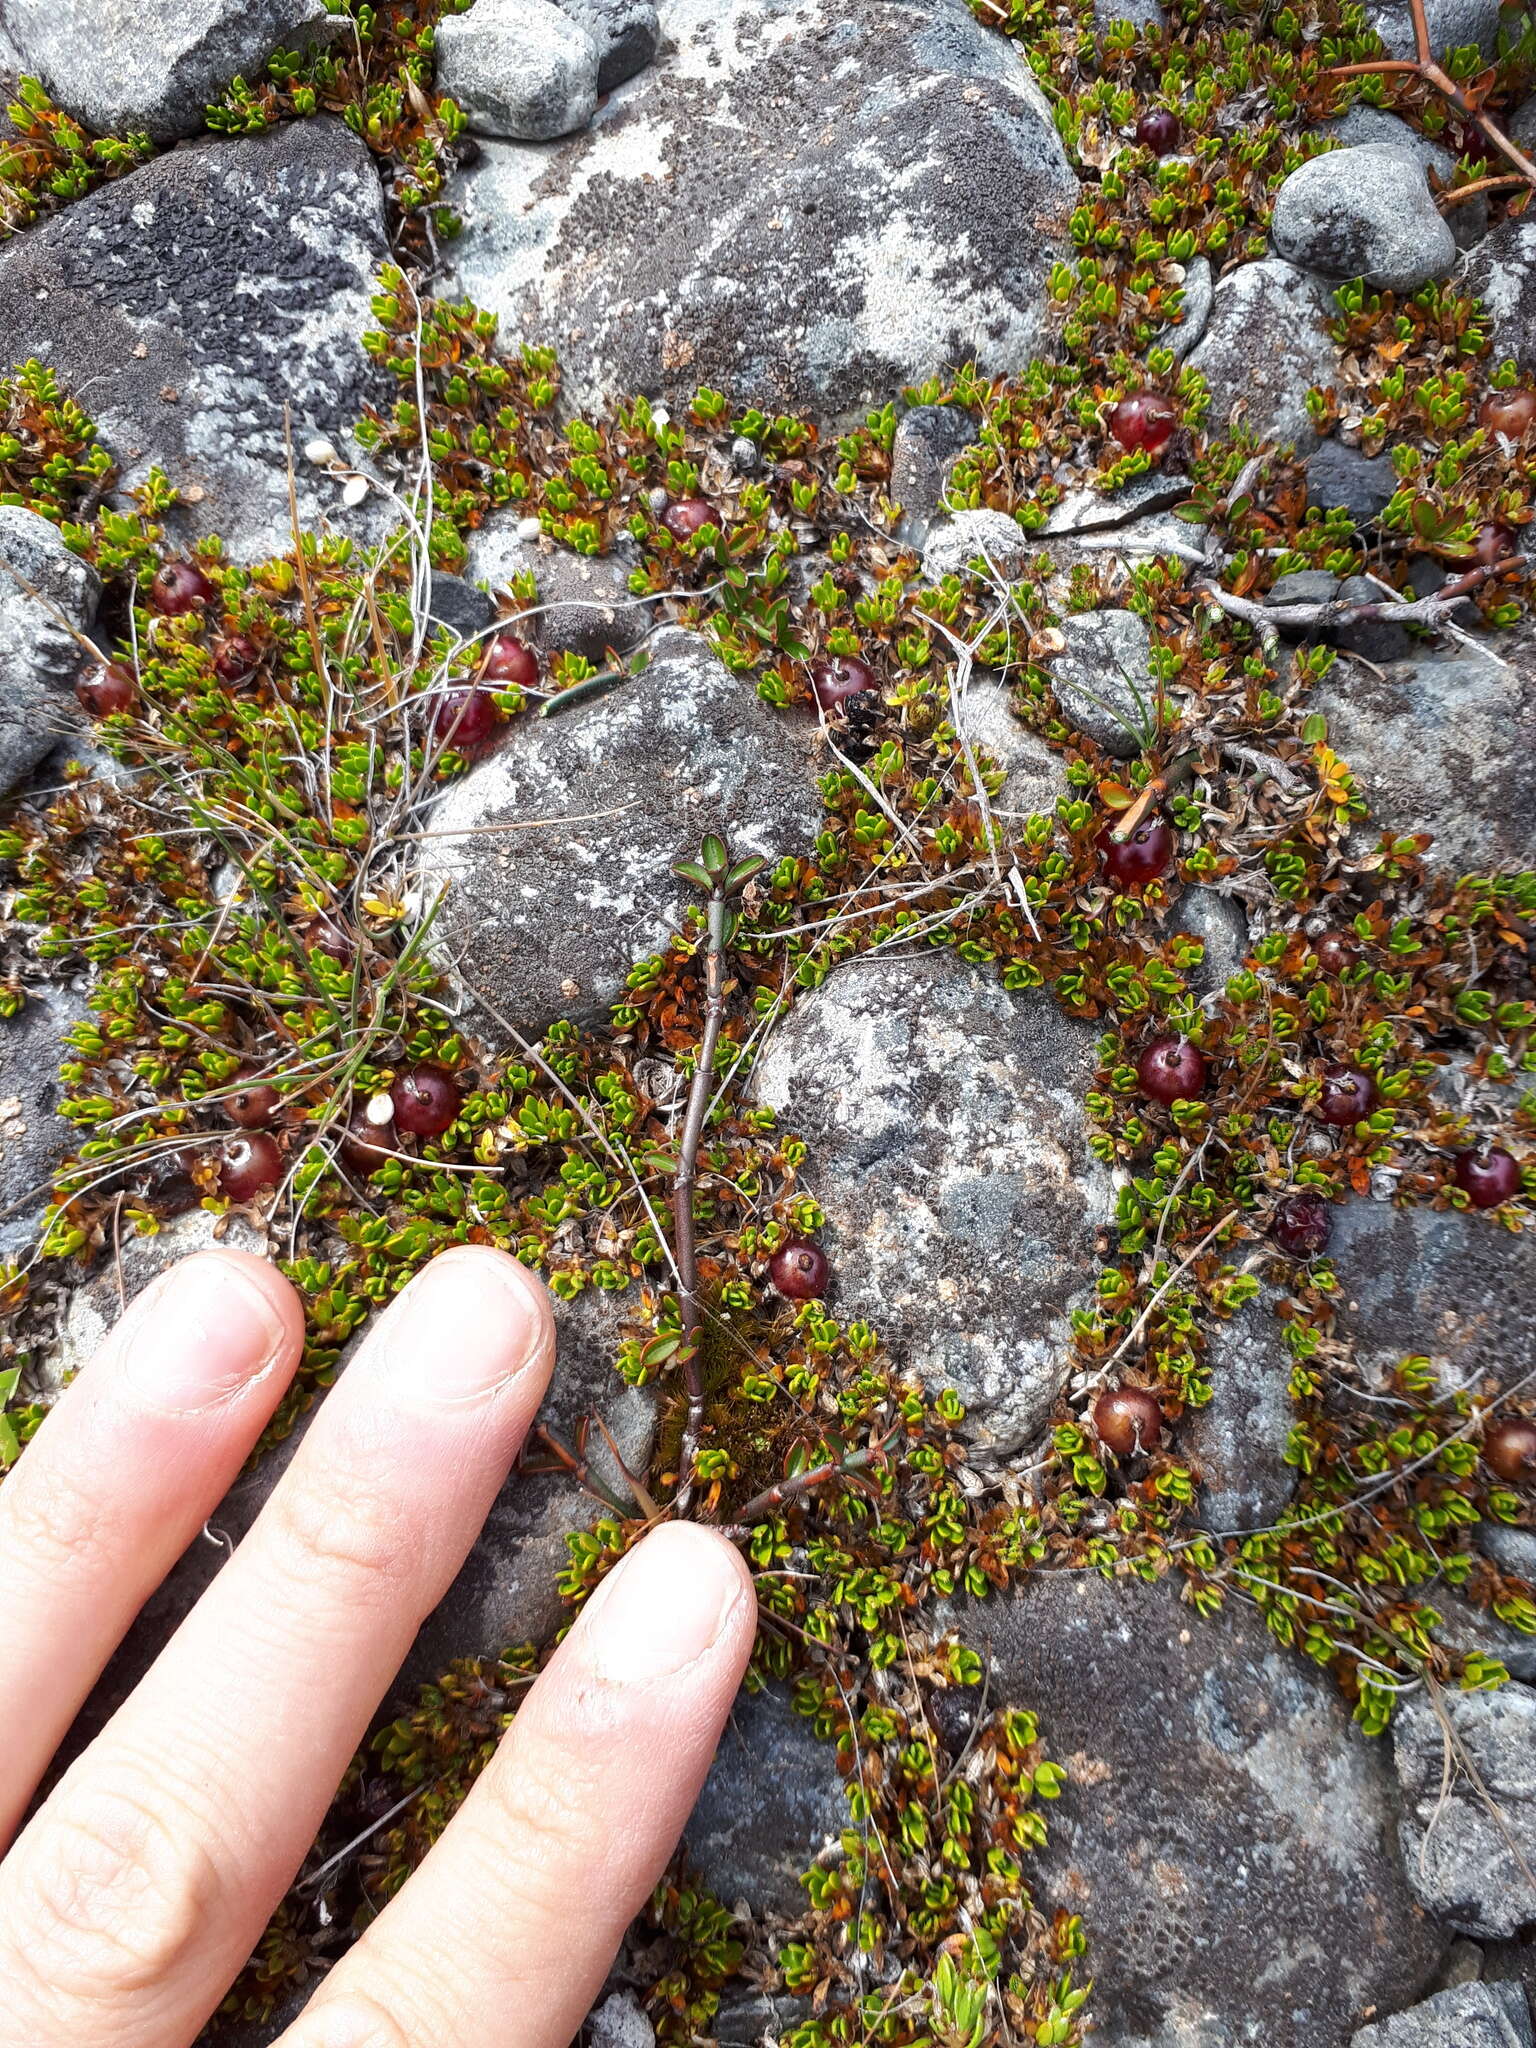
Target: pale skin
<point x="133" y="1894"/>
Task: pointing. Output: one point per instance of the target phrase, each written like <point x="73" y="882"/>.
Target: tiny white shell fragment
<point x="320" y="450"/>
<point x="379" y="1109"/>
<point x="355" y="490"/>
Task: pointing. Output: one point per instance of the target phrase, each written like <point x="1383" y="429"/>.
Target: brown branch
<point x="683" y="1187"/>
<point x="1446" y="200"/>
<point x="576" y="1463"/>
<point x="1174" y="776"/>
<point x="1271" y="619"/>
<point x="772" y="1497"/>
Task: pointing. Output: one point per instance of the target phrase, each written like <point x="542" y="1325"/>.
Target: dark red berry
<point x="1334" y="951"/>
<point x="253" y="1105"/>
<point x="1142" y="856"/>
<point x="1160" y="131"/>
<point x="1171" y="1070"/>
<point x="236" y="659"/>
<point x="1494" y="543"/>
<point x="179" y="587"/>
<point x="426" y="1101"/>
<point x="799" y="1270"/>
<point x="248" y="1165"/>
<point x="1470" y="141"/>
<point x="1128" y="1420"/>
<point x="684" y="517"/>
<point x="1302" y="1224"/>
<point x="465" y="719"/>
<point x="838" y="678"/>
<point x="1143" y="422"/>
<point x="1349" y="1094"/>
<point x="366" y="1145"/>
<point x="105" y="690"/>
<point x="1510" y="413"/>
<point x="1509" y="1446"/>
<point x="1488" y="1176"/>
<point x="508" y="660"/>
<point x="324" y="935"/>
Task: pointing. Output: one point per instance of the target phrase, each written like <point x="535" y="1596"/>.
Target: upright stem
<point x="686" y="1250"/>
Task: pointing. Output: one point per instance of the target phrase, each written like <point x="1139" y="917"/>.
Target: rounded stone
<point x="1365" y="212"/>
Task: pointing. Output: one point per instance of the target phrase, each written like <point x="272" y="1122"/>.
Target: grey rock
<point x="993" y="538"/>
<point x="773" y="1799"/>
<point x="459" y="606"/>
<point x="808" y="203"/>
<point x="1089" y="510"/>
<point x="1452" y="25"/>
<point x="1361" y="124"/>
<point x="548" y="921"/>
<point x="1143" y="13"/>
<point x="1512" y="1550"/>
<point x="34" y="1138"/>
<point x="521" y="70"/>
<point x="1467" y="2016"/>
<point x="153" y="65"/>
<point x="1379" y="640"/>
<point x="1220" y="923"/>
<point x="188" y="302"/>
<point x="1033" y="773"/>
<point x="1460" y="1860"/>
<point x="620" y="2021"/>
<point x="1238" y="1438"/>
<point x="1227" y="1828"/>
<point x="1468" y="1630"/>
<point x="1521" y="126"/>
<point x="1103" y="680"/>
<point x="625" y="32"/>
<point x="1340" y="475"/>
<point x="1304" y="586"/>
<point x="1501" y="271"/>
<point x="1442" y="1284"/>
<point x="1364" y="212"/>
<point x="1199" y="297"/>
<point x="585" y="603"/>
<point x="1264" y="349"/>
<point x="928" y="440"/>
<point x="1443" y="745"/>
<point x="945" y="1116"/>
<point x="39" y="658"/>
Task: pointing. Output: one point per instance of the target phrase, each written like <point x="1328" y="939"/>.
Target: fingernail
<point x="202" y="1332"/>
<point x="663" y="1607"/>
<point x="466" y="1326"/>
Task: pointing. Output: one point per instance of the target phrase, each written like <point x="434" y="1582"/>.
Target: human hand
<point x="131" y="1899"/>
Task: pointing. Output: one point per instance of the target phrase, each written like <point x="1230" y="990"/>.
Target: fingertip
<point x="473" y="1323"/>
<point x="681" y="1596"/>
<point x="210" y="1326"/>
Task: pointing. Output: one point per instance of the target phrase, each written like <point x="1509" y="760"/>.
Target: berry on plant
<point x="838" y="678"/>
<point x="1349" y="1095"/>
<point x="236" y="659"/>
<point x="1160" y="131"/>
<point x="1510" y="413"/>
<point x="248" y="1165"/>
<point x="685" y="516"/>
<point x="1128" y="1420"/>
<point x="369" y="1141"/>
<point x="799" y="1270"/>
<point x="105" y="690"/>
<point x="465" y="719"/>
<point x="1302" y="1224"/>
<point x="510" y="660"/>
<point x="179" y="587"/>
<point x="1142" y="856"/>
<point x="1145" y="421"/>
<point x="1488" y="1176"/>
<point x="1495" y="543"/>
<point x="1172" y="1069"/>
<point x="1334" y="951"/>
<point x="426" y="1101"/>
<point x="253" y="1104"/>
<point x="1509" y="1447"/>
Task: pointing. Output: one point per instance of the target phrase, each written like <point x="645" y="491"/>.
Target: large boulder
<point x="1467" y="1763"/>
<point x="187" y="304"/>
<point x="1227" y="1835"/>
<point x="772" y="1801"/>
<point x="950" y="1148"/>
<point x="48" y="600"/>
<point x="1443" y="744"/>
<point x="804" y="202"/>
<point x="522" y="70"/>
<point x="557" y="850"/>
<point x="34" y="1138"/>
<point x="1360" y="124"/>
<point x="1466" y="2016"/>
<point x="1452" y="25"/>
<point x="153" y="65"/>
<point x="1501" y="271"/>
<point x="1364" y="212"/>
<point x="1265" y="347"/>
<point x="1441" y="1284"/>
